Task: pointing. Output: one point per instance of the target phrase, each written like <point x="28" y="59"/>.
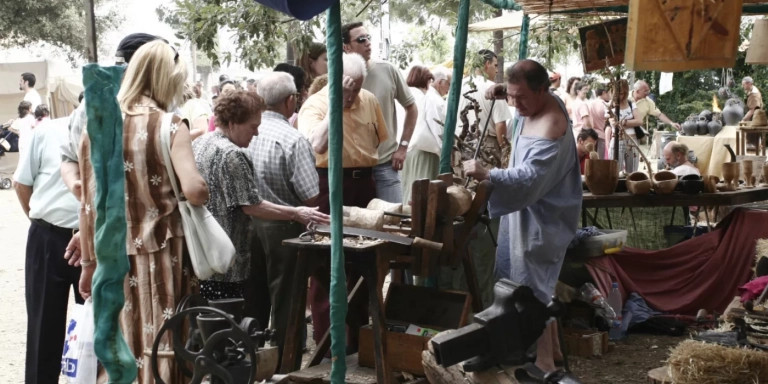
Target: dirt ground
<point x="627" y="363"/>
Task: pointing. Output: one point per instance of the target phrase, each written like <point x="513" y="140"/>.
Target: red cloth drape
<point x="704" y="272"/>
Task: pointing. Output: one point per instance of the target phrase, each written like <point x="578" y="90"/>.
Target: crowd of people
<point x="255" y="154"/>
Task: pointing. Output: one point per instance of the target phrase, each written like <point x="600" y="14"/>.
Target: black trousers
<point x="47" y="280"/>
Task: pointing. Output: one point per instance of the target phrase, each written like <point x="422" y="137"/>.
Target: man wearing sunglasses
<point x="388" y="85"/>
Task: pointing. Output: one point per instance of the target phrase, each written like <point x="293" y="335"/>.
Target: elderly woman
<point x="423" y="160"/>
<point x="159" y="274"/>
<point x="229" y="173"/>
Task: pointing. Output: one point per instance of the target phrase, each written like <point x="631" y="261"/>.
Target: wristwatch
<point x="404" y="143"/>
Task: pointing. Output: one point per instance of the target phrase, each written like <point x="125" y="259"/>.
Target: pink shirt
<point x="580" y="108"/>
<point x="597" y="114"/>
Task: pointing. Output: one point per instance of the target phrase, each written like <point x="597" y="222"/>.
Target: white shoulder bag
<point x="210" y="249"/>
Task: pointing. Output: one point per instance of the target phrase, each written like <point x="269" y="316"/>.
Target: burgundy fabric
<point x="753" y="289"/>
<point x="704" y="272"/>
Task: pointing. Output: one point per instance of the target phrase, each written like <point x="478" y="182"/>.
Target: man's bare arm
<point x="24" y="193"/>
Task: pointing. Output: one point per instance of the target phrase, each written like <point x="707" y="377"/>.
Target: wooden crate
<point x="680" y="35"/>
<point x="585" y="342"/>
<point x="425" y="307"/>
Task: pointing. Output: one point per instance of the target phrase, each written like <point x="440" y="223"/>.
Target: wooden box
<point x="585" y="342"/>
<point x="680" y="35"/>
<point x="425" y="307"/>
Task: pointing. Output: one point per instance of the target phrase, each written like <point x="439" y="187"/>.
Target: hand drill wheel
<point x="217" y="346"/>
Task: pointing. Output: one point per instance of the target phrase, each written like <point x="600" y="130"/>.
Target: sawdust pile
<point x="694" y="362"/>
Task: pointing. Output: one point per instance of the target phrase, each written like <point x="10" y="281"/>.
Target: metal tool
<point x="482" y="138"/>
<point x="501" y="334"/>
<point x="386" y="236"/>
<point x="309" y="235"/>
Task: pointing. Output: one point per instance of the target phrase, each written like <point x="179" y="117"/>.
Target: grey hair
<point x="639" y="84"/>
<point x="747" y="79"/>
<point x="354" y="66"/>
<point x="275" y="87"/>
<point x="440" y="73"/>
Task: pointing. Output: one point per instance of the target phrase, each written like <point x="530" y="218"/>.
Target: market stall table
<point x="676" y="199"/>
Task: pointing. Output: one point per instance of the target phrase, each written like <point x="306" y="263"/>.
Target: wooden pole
<point x="90" y="32"/>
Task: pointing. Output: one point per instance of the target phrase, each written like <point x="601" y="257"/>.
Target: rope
<point x="338" y="289"/>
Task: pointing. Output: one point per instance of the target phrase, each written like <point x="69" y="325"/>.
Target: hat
<point x="130" y="44"/>
<point x="554" y="76"/>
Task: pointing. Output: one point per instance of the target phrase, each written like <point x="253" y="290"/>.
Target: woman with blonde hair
<point x="159" y="274"/>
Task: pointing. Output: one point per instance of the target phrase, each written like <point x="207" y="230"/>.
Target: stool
<point x="741" y="139"/>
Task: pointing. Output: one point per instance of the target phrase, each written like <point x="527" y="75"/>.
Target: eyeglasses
<point x="362" y="39"/>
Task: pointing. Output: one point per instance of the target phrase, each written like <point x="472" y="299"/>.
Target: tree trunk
<point x="90" y="32"/>
<point x="498" y="48"/>
<point x="290" y="56"/>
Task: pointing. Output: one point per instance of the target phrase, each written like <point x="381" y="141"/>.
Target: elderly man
<point x="284" y="166"/>
<point x="364" y="133"/>
<point x="53" y="213"/>
<point x="753" y="96"/>
<point x="645" y="106"/>
<point x="539" y="195"/>
<point x="676" y="157"/>
<point x="388" y="85"/>
<point x="442" y="81"/>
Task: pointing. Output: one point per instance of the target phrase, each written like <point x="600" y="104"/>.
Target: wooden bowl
<point x="601" y="176"/>
<point x="638" y="183"/>
<point x="731" y="173"/>
<point x="664" y="182"/>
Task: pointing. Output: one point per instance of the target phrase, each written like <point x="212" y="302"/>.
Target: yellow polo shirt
<point x="363" y="124"/>
<point x="645" y="107"/>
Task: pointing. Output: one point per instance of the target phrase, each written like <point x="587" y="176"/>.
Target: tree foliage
<point x="60" y="23"/>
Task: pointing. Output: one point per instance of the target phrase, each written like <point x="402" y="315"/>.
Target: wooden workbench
<point x="373" y="260"/>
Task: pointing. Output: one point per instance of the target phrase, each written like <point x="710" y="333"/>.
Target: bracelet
<point x="85" y="263"/>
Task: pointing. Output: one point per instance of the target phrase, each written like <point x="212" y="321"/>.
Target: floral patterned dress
<point x="160" y="274"/>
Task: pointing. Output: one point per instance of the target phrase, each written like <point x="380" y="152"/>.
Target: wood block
<point x="659" y="376"/>
<point x="585" y="343"/>
<point x="403" y="351"/>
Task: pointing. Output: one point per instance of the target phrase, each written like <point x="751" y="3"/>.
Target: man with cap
<point x="70" y="171"/>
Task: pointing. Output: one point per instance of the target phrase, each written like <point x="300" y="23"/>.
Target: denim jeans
<point x="388" y="186"/>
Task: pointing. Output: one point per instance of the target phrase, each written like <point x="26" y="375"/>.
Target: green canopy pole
<point x="524" y="29"/>
<point x="459" y="54"/>
<point x="105" y="129"/>
<point x="338" y="290"/>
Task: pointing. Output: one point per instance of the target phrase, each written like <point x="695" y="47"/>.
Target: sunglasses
<point x="363" y="39"/>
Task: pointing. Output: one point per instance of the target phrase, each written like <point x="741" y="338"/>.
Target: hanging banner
<point x="602" y="45"/>
<point x="300" y="9"/>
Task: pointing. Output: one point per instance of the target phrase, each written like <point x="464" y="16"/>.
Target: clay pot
<point x="664" y="182"/>
<point x="733" y="111"/>
<point x="701" y="126"/>
<point x="714" y="127"/>
<point x="746" y="168"/>
<point x="710" y="183"/>
<point x="689" y="126"/>
<point x="638" y="183"/>
<point x="601" y="176"/>
<point x="707" y="114"/>
<point x="691" y="184"/>
<point x="731" y="172"/>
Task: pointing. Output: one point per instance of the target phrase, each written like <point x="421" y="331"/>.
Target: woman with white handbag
<point x="228" y="171"/>
<point x="159" y="274"/>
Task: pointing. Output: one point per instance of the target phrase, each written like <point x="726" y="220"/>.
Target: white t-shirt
<point x="34" y="98"/>
<point x="685" y="170"/>
<point x="500" y="109"/>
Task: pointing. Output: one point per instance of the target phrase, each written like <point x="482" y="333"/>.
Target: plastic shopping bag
<point x="78" y="360"/>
